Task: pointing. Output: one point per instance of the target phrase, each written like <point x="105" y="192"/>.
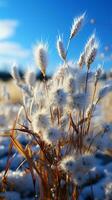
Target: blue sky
<point x="25" y="22"/>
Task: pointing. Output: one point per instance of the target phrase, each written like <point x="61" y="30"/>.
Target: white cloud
<point x="10" y="50"/>
<point x="13" y="49"/>
<point x="7" y="28"/>
<point x="13" y="52"/>
<point x="104" y="57"/>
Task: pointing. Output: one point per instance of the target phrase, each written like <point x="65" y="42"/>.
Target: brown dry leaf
<point x="18" y="146"/>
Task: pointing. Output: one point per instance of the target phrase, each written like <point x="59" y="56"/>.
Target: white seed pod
<point x="70" y="84"/>
<point x="15" y="74"/>
<point x="60" y="74"/>
<point x="41" y="57"/>
<point x="99" y="72"/>
<point x="26" y="89"/>
<point x="78" y="101"/>
<point x="40" y="121"/>
<point x="60" y="48"/>
<point x="89" y="44"/>
<point x="77" y="23"/>
<point x="30" y="78"/>
<point x="81" y="60"/>
<point x="67" y="163"/>
<point x="58" y="97"/>
<point x="90" y="57"/>
<point x="104" y="91"/>
<point x="53" y="135"/>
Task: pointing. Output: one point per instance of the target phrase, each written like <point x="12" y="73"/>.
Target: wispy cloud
<point x="104" y="57"/>
<point x="10" y="50"/>
<point x="13" y="52"/>
<point x="8" y="28"/>
<point x="13" y="49"/>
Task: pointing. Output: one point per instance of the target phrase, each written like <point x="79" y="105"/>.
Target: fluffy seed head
<point x="67" y="163"/>
<point x="40" y="55"/>
<point x="15" y="74"/>
<point x="26" y="89"/>
<point x="60" y="48"/>
<point x="89" y="59"/>
<point x="81" y="60"/>
<point x="40" y="121"/>
<point x="70" y="84"/>
<point x="77" y="23"/>
<point x="58" y="97"/>
<point x="52" y="135"/>
<point x="99" y="72"/>
<point x="89" y="44"/>
<point x="77" y="101"/>
<point x="104" y="91"/>
<point x="30" y="78"/>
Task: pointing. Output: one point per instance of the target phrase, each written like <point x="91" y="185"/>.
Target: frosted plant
<point x="60" y="48"/>
<point x="68" y="163"/>
<point x="58" y="97"/>
<point x="40" y="121"/>
<point x="40" y="55"/>
<point x="70" y="84"/>
<point x="76" y="25"/>
<point x="52" y="135"/>
<point x="63" y="118"/>
<point x="81" y="60"/>
<point x="77" y="101"/>
<point x="89" y="58"/>
<point x="78" y="166"/>
<point x="108" y="191"/>
<point x="89" y="44"/>
<point x="104" y="91"/>
<point x="30" y="78"/>
<point x="99" y="72"/>
<point x="15" y="74"/>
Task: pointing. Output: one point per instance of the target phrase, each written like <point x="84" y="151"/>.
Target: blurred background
<point x="25" y="22"/>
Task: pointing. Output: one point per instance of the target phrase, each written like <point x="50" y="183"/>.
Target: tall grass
<point x="61" y="117"/>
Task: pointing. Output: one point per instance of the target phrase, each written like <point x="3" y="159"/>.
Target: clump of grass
<point x="61" y="120"/>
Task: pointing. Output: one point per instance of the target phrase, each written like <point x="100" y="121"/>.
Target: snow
<point x="11" y="195"/>
<point x="22" y="181"/>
